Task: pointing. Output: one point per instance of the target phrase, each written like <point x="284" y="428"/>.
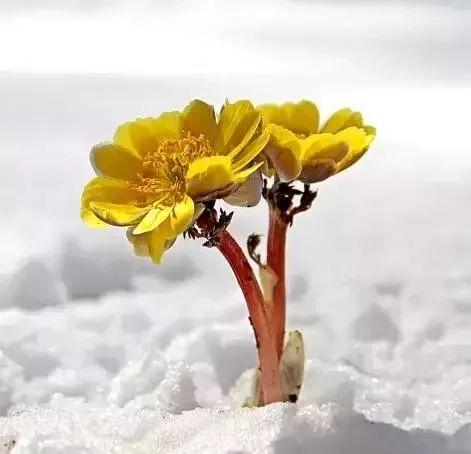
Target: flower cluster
<point x="300" y="149"/>
<point x="157" y="173"/>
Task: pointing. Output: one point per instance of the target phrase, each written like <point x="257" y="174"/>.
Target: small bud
<point x="292" y="367"/>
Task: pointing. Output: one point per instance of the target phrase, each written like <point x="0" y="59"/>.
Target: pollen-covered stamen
<point x="163" y="171"/>
<point x="187" y="149"/>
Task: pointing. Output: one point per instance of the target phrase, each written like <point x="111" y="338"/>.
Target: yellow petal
<point x="109" y="190"/>
<point x="113" y="160"/>
<point x="199" y="118"/>
<point x="243" y="134"/>
<point x="139" y="242"/>
<point x="300" y="118"/>
<point x="152" y="220"/>
<point x="284" y="151"/>
<point x="272" y="113"/>
<point x="106" y="189"/>
<point x="267" y="168"/>
<point x="318" y="170"/>
<point x="241" y="176"/>
<point x="143" y="134"/>
<point x="250" y="152"/>
<point x="237" y="124"/>
<point x="199" y="210"/>
<point x="358" y="143"/>
<point x="249" y="193"/>
<point x="136" y="136"/>
<point x="167" y="125"/>
<point x="323" y="146"/>
<point x="208" y="175"/>
<point x="303" y="117"/>
<point x="120" y="215"/>
<point x="370" y="130"/>
<point x="150" y="244"/>
<point x="89" y="218"/>
<point x="356" y="138"/>
<point x="182" y="215"/>
<point x="342" y="119"/>
<point x="157" y="246"/>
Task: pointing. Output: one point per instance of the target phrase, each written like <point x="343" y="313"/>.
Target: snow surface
<point x="103" y="352"/>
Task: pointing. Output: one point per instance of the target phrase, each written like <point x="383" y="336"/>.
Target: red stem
<point x="276" y="260"/>
<point x="267" y="352"/>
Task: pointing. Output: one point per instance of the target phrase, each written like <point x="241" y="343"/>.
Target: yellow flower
<point x="155" y="173"/>
<point x="299" y="149"/>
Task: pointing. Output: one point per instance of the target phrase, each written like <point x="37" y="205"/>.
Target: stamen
<point x="163" y="171"/>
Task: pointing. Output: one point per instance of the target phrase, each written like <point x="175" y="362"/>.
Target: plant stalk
<point x="276" y="260"/>
<point x="267" y="350"/>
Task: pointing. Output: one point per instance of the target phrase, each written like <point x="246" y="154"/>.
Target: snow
<point x="72" y="426"/>
<point x="103" y="352"/>
<point x="125" y="372"/>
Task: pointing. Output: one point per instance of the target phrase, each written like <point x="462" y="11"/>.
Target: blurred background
<point x="379" y="269"/>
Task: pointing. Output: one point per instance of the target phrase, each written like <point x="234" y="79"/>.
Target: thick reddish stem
<point x="267" y="352"/>
<point x="276" y="258"/>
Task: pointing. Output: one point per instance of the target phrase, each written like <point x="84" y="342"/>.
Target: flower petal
<point x="249" y="193"/>
<point x="156" y="247"/>
<point x="89" y="218"/>
<point x="370" y="130"/>
<point x="113" y="160"/>
<point x="358" y="143"/>
<point x="120" y="215"/>
<point x="136" y="136"/>
<point x="342" y="119"/>
<point x="199" y="118"/>
<point x="237" y="124"/>
<point x="167" y="125"/>
<point x="318" y="170"/>
<point x="244" y="133"/>
<point x="151" y="244"/>
<point x="199" y="210"/>
<point x="284" y="151"/>
<point x="152" y="220"/>
<point x="323" y="146"/>
<point x="241" y="176"/>
<point x="303" y="117"/>
<point x="143" y="134"/>
<point x="271" y="113"/>
<point x="300" y="118"/>
<point x="139" y="242"/>
<point x="106" y="189"/>
<point x="208" y="175"/>
<point x="250" y="152"/>
<point x="101" y="189"/>
<point x="109" y="190"/>
<point x="182" y="215"/>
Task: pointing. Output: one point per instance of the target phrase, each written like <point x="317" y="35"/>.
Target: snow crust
<point x="124" y="373"/>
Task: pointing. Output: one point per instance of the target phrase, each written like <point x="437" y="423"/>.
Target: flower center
<point x="164" y="169"/>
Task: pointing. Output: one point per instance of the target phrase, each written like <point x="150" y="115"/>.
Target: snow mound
<point x="70" y="425"/>
<point x="31" y="287"/>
